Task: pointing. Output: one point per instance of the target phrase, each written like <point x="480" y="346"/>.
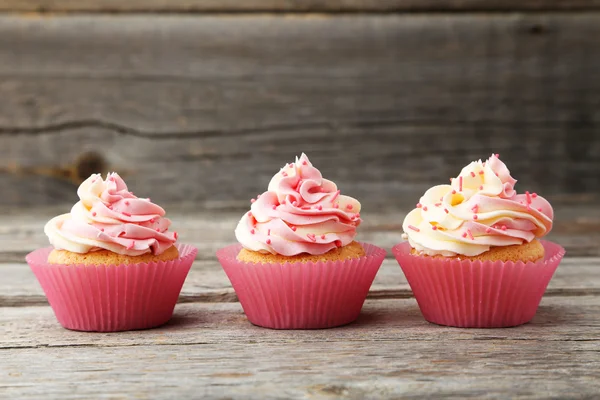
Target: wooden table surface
<point x="209" y="349"/>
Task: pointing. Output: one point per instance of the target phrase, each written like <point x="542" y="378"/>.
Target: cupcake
<point x="474" y="257"/>
<point x="113" y="265"/>
<point x="297" y="265"/>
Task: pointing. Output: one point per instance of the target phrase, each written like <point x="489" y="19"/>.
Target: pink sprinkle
<point x="338" y="243"/>
<point x="336" y="205"/>
<point x="460" y="179"/>
<point x="291" y="165"/>
<point x="126" y="214"/>
<point x="131" y="193"/>
<point x="283" y="201"/>
<point x="481" y="187"/>
<point x="425" y="208"/>
<point x="475" y="208"/>
<point x="528" y="197"/>
<point x="434" y="227"/>
<point x="419" y="205"/>
<point x="470" y="234"/>
<point x="295" y="203"/>
<point x="252" y="200"/>
<point x="528" y="207"/>
<point x="268" y="241"/>
<point x="446" y="210"/>
<point x="441" y="199"/>
<point x="102" y="229"/>
<point x="534" y="195"/>
<point x="151" y="220"/>
<point x="131" y="244"/>
<point x="414" y="228"/>
<point x="304" y="163"/>
<point x="497" y="155"/>
<point x="252" y="231"/>
<point x="475" y="217"/>
<point x="274" y="207"/>
<point x="284" y="173"/>
<point x="319" y="207"/>
<point x="437" y="204"/>
<point x="175" y="235"/>
<point x="357" y="215"/>
<point x="258" y="196"/>
<point x="349" y="207"/>
<point x="249" y="213"/>
<point x="94" y="214"/>
<point x="503" y="227"/>
<point x="268" y="232"/>
<point x="126" y="203"/>
<point x="312" y="237"/>
<point x="112" y="179"/>
<point x="488" y="230"/>
<point x="451" y="179"/>
<point x="453" y="191"/>
<point x="157" y="230"/>
<point x="293" y="228"/>
<point x="323" y="237"/>
<point x="473" y="174"/>
<point x="481" y="172"/>
<point x="464" y="235"/>
<point x="539" y="209"/>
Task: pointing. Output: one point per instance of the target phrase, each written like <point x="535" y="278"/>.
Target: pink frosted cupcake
<point x="114" y="265"/>
<point x="297" y="265"/>
<point x="473" y="258"/>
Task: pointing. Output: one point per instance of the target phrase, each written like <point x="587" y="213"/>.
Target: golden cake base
<point x="532" y="251"/>
<point x="352" y="250"/>
<point x="105" y="257"/>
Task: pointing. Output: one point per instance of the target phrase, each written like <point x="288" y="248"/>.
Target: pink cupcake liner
<point x="476" y="294"/>
<point x="302" y="295"/>
<point x="111" y="298"/>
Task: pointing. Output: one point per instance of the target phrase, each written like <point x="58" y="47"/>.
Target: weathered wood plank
<point x="208" y="283"/>
<point x="223" y="6"/>
<point x="207" y="107"/>
<point x="212" y="351"/>
<point x="558" y="319"/>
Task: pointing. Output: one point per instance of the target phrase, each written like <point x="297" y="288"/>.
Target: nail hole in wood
<point x="536" y="29"/>
<point x="87" y="164"/>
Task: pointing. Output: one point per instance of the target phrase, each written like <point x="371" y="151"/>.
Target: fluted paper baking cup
<point x="476" y="294"/>
<point x="302" y="295"/>
<point x="110" y="298"/>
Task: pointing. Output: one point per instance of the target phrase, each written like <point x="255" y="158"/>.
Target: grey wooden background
<point x="199" y="102"/>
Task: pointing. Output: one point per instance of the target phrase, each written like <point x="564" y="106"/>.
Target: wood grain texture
<point x="207" y="108"/>
<point x="212" y="351"/>
<point x="224" y="6"/>
<point x="207" y="282"/>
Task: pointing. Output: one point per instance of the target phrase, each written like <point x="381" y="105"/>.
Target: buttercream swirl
<point x="301" y="212"/>
<point x="109" y="216"/>
<point x="478" y="210"/>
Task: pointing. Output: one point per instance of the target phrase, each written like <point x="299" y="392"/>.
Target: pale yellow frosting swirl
<point x="478" y="210"/>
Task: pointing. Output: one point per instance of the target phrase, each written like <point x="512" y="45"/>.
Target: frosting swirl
<point x="478" y="210"/>
<point x="301" y="212"/>
<point x="110" y="217"/>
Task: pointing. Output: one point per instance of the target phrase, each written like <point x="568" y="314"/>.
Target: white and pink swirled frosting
<point x="109" y="216"/>
<point x="478" y="210"/>
<point x="301" y="212"/>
